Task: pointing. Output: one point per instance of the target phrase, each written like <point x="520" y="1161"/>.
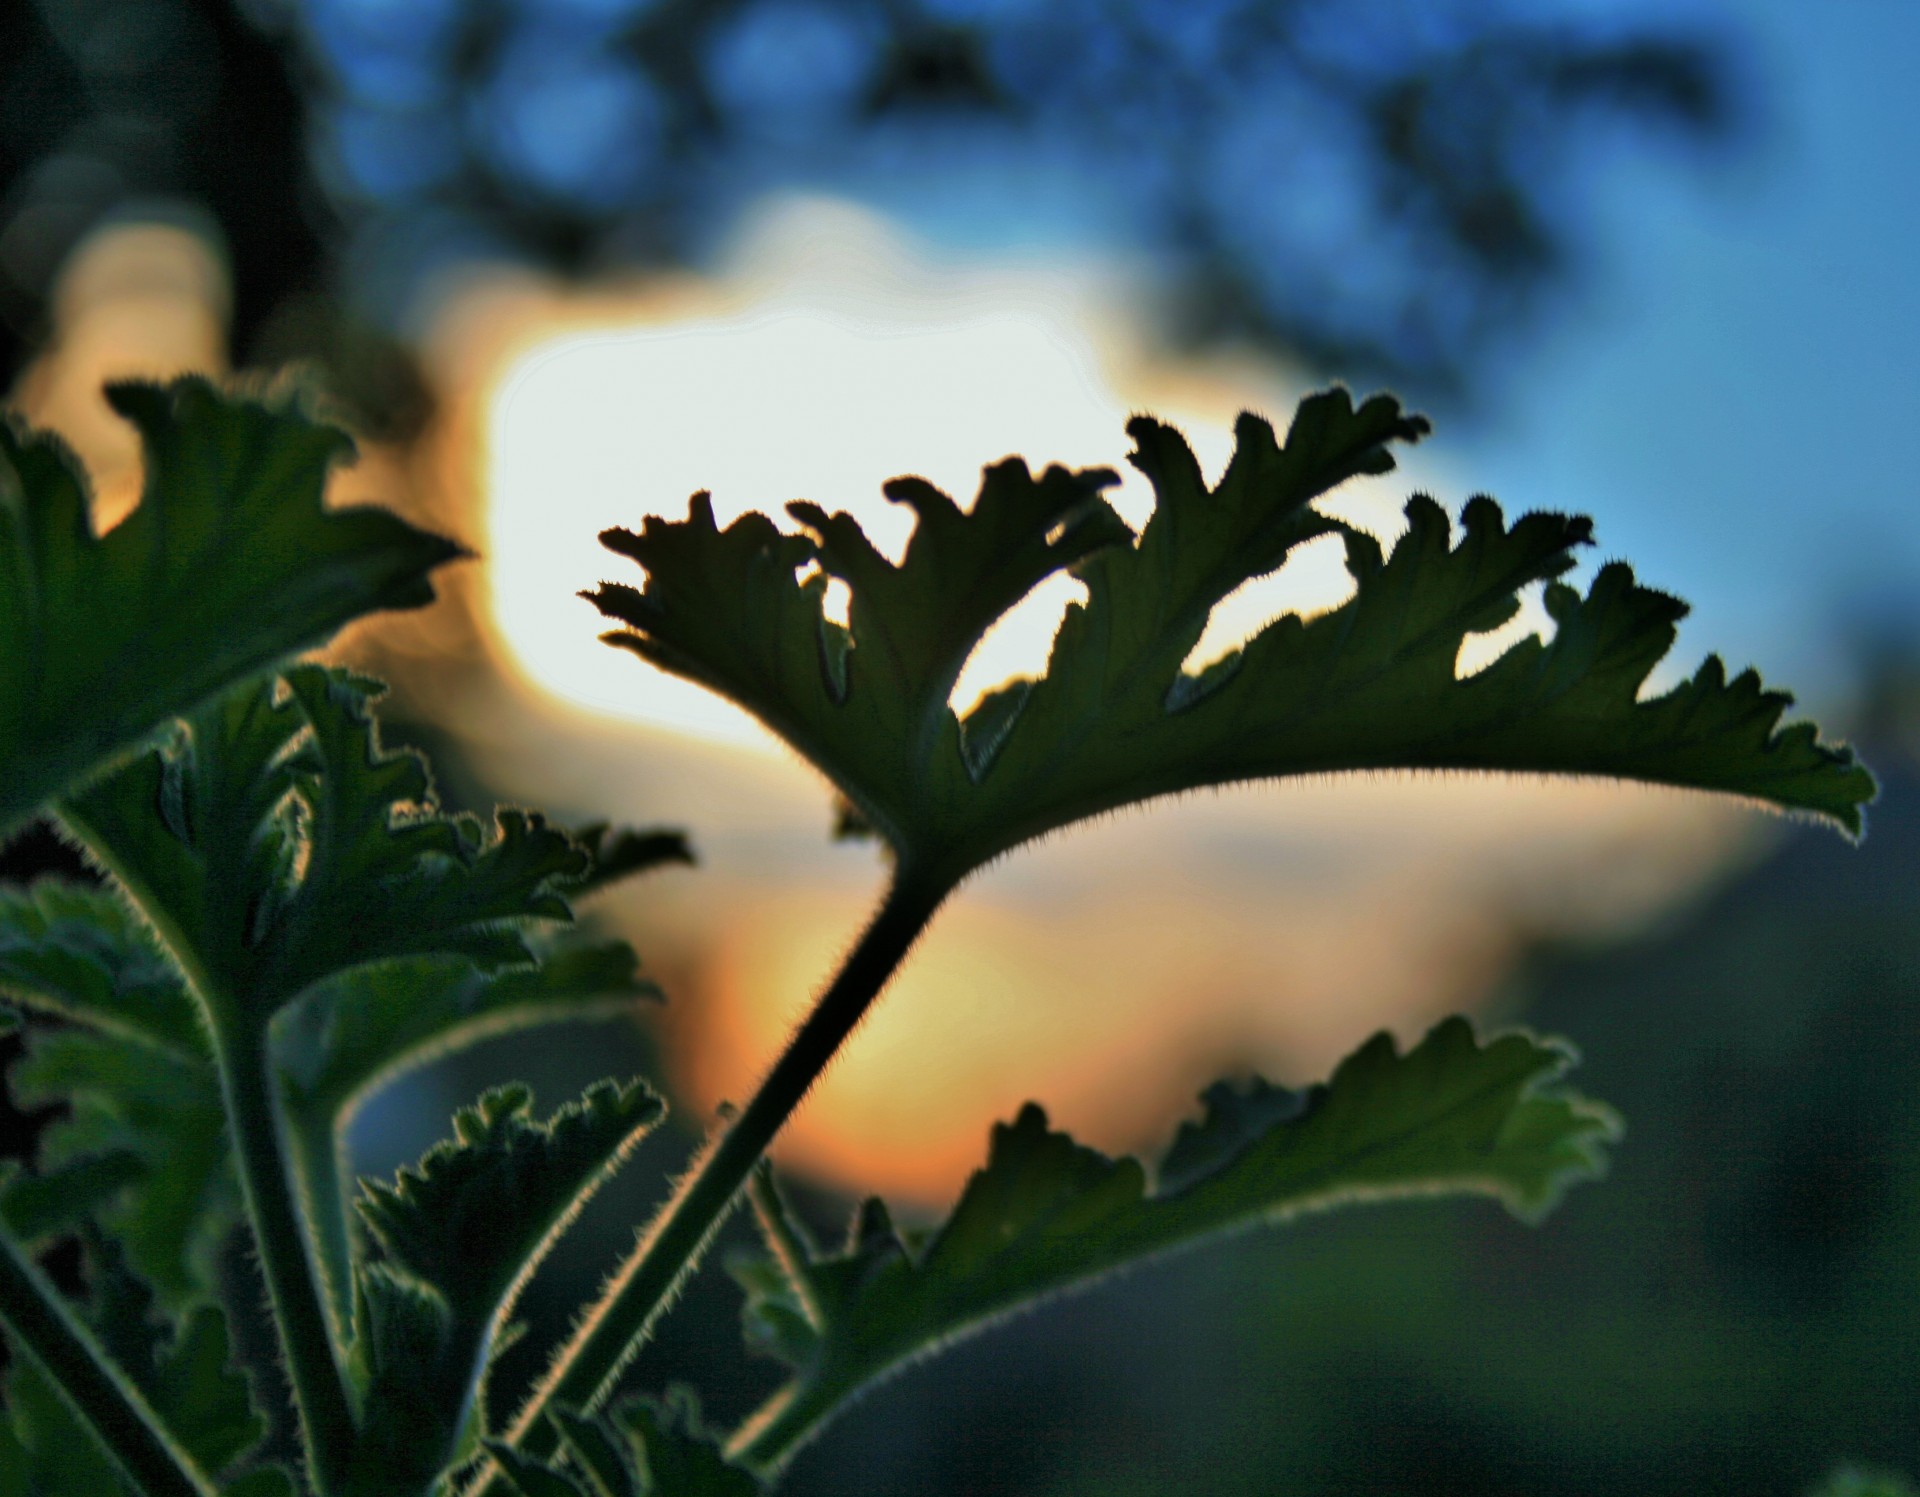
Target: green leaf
<point x="52" y="1453"/>
<point x="1450" y="1116"/>
<point x="291" y="848"/>
<point x="680" y="1455"/>
<point x="531" y="1478"/>
<point x="350" y="1037"/>
<point x="129" y="1099"/>
<point x="79" y="953"/>
<point x="185" y="1371"/>
<point x="1119" y="716"/>
<point x="49" y="1202"/>
<point x="616" y="854"/>
<point x="643" y="1448"/>
<point x="229" y="563"/>
<point x="183" y="1367"/>
<point x="595" y="1453"/>
<point x="244" y="841"/>
<point x="265" y="1481"/>
<point x="467" y="1226"/>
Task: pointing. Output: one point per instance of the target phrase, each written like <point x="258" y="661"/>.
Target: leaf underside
<point x="1451" y="1116"/>
<point x="229" y="564"/>
<point x="1120" y="716"/>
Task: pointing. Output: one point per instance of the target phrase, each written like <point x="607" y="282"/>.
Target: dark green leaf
<point x="131" y="1099"/>
<point x="279" y="845"/>
<point x="467" y="1226"/>
<point x="351" y="1036"/>
<point x="291" y="848"/>
<point x="681" y="1456"/>
<point x="48" y="1451"/>
<point x="1851" y="1481"/>
<point x="267" y="1481"/>
<point x="1047" y="1214"/>
<point x="53" y="1201"/>
<point x="614" y="855"/>
<point x="1119" y="718"/>
<point x="183" y="1370"/>
<point x="531" y="1478"/>
<point x="79" y="953"/>
<point x="229" y="563"/>
<point x="643" y="1448"/>
<point x="595" y="1452"/>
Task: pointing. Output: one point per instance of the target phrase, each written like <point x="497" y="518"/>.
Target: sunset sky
<point x="1727" y="398"/>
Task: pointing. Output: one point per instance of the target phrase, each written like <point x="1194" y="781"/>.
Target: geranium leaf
<point x="1452" y="1115"/>
<point x="49" y="1202"/>
<point x="229" y="563"/>
<point x="183" y="1368"/>
<point x="131" y="1100"/>
<point x="595" y="1453"/>
<point x="617" y="853"/>
<point x="291" y="847"/>
<point x="1120" y="716"/>
<point x="296" y="863"/>
<point x="532" y="1478"/>
<point x="643" y="1447"/>
<point x="79" y="953"/>
<point x="468" y="1225"/>
<point x="680" y="1455"/>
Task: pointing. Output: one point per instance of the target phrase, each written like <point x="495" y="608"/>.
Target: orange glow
<point x="1109" y="973"/>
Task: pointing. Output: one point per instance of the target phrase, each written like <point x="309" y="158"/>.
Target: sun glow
<point x="1107" y="974"/>
<point x="840" y="359"/>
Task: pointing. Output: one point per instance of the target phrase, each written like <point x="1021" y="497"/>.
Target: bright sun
<point x="841" y="361"/>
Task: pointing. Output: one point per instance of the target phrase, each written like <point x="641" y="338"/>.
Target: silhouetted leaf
<point x="256" y="809"/>
<point x="1450" y="1116"/>
<point x="229" y="564"/>
<point x="79" y="953"/>
<point x="1118" y="718"/>
<point x="614" y="854"/>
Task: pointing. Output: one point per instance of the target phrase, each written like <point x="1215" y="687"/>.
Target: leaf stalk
<point x="613" y="1331"/>
<point x="326" y="1417"/>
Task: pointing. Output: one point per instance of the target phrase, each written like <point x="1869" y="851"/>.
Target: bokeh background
<point x="561" y="262"/>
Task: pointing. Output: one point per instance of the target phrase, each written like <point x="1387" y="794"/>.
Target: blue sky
<point x="1731" y="397"/>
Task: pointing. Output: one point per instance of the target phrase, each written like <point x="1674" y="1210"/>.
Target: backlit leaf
<point x="467" y="1226"/>
<point x="1122" y="716"/>
<point x="229" y="564"/>
<point x="1046" y="1214"/>
<point x="184" y="1370"/>
<point x="254" y="809"/>
<point x="291" y="847"/>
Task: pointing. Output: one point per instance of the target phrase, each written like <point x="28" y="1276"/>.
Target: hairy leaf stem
<point x="326" y="1418"/>
<point x="584" y="1372"/>
<point x="102" y="1396"/>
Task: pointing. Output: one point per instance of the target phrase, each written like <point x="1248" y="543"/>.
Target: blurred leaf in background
<point x="1394" y="192"/>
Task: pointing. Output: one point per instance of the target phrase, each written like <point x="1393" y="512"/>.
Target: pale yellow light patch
<point x="836" y="356"/>
<point x="133" y="301"/>
<point x="1108" y="972"/>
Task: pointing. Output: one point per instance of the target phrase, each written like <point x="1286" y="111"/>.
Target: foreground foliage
<point x="290" y="920"/>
